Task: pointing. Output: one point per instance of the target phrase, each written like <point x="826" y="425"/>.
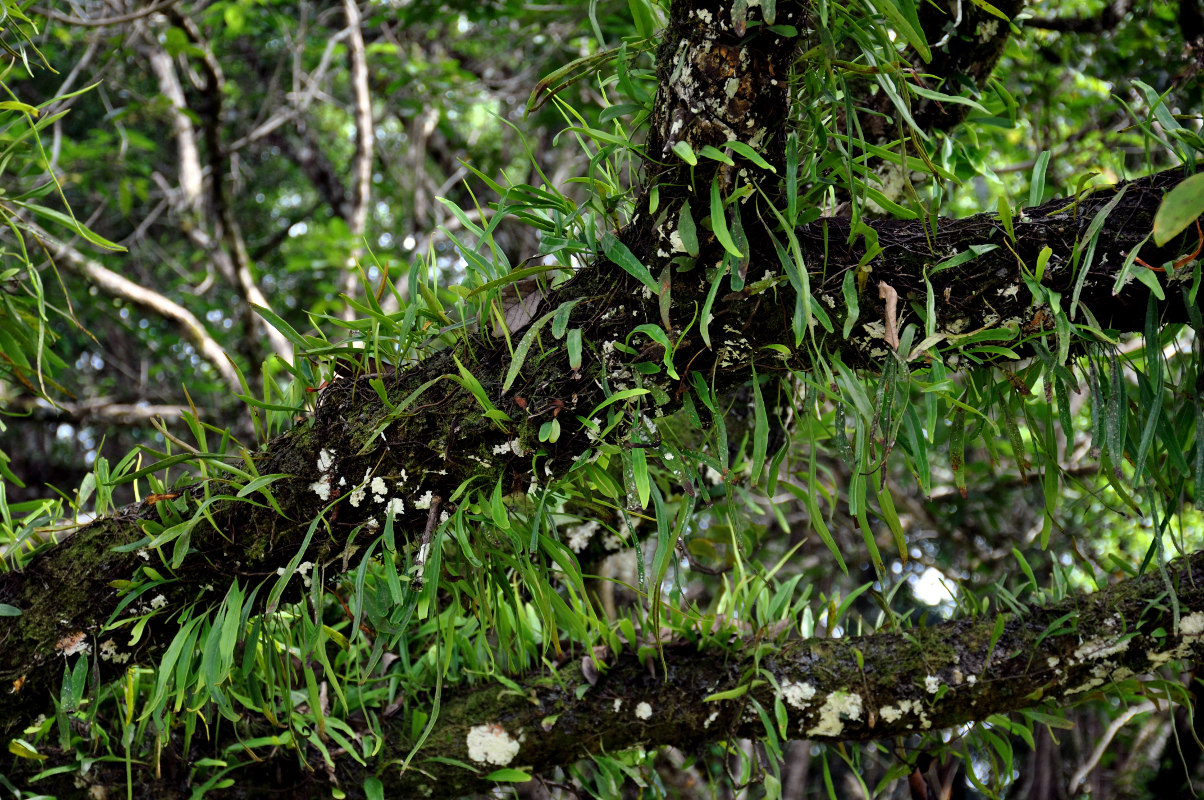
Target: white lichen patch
<point x="905" y="707"/>
<point x="617" y="704"/>
<point x="931" y="684"/>
<point x="158" y="601"/>
<point x="643" y="711"/>
<point x="875" y="329"/>
<point x="1101" y="648"/>
<point x="710" y="719"/>
<point x="321" y="487"/>
<point x="303" y="570"/>
<point x="580" y="535"/>
<point x="798" y="694"/>
<point x="1157" y="659"/>
<point x="357" y="494"/>
<point x="108" y="652"/>
<point x="396" y="507"/>
<point x="1086" y="687"/>
<point x="1192" y="626"/>
<point x="512" y="446"/>
<point x="379" y="490"/>
<point x="491" y="744"/>
<point x="1053" y="661"/>
<point x="424" y="502"/>
<point x="838" y="706"/>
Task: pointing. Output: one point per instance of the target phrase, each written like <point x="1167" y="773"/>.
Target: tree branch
<point x="875" y="687"/>
<point x="102" y="410"/>
<point x="111" y="283"/>
<point x="100" y="22"/>
<point x="365" y="136"/>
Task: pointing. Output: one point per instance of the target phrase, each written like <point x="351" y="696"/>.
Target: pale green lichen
<point x="491" y="744"/>
<point x="838" y="706"/>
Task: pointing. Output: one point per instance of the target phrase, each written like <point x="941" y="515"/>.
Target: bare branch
<point x="102" y="410"/>
<point x="100" y="22"/>
<point x="364" y="138"/>
<point x="110" y="282"/>
<point x="189" y="198"/>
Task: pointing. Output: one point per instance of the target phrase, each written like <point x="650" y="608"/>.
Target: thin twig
<point x="101" y="22"/>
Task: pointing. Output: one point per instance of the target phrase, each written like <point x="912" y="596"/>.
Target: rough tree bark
<point x="718" y="84"/>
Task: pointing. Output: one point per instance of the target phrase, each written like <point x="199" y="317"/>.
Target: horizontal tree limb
<point x="860" y="688"/>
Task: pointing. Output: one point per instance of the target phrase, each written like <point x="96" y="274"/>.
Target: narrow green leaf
<point x="685" y="153"/>
<point x="283" y="327"/>
<point x="913" y="35"/>
<point x="573" y="344"/>
<point x="957" y="450"/>
<point x="716" y="154"/>
<point x="498" y="508"/>
<point x="626" y="394"/>
<point x="990" y="9"/>
<point x="746" y="151"/>
<point x="849" y="289"/>
<point x="524" y="346"/>
<point x="704" y="321"/>
<point x="617" y="252"/>
<point x="639" y="469"/>
<point x="719" y="221"/>
<point x="760" y="429"/>
<point x="1036" y="187"/>
<point x="687" y="231"/>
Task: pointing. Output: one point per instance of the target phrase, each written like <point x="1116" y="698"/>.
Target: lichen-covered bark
<point x="879" y="686"/>
<point x="965" y="43"/>
<point x="360" y="457"/>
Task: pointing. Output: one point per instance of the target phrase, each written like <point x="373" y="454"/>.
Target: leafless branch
<point x="186" y="144"/>
<point x="110" y="282"/>
<point x="100" y="22"/>
<point x="364" y="136"/>
<point x="102" y="410"/>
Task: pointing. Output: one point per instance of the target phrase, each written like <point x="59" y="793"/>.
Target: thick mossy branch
<point x="875" y="687"/>
<point x="878" y="686"/>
